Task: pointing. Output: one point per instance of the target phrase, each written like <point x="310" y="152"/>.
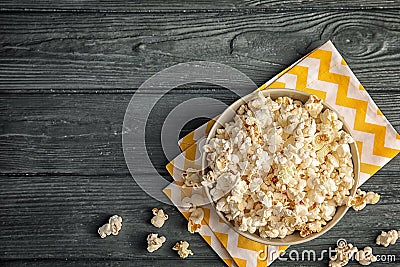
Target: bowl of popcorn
<point x="280" y="167"/>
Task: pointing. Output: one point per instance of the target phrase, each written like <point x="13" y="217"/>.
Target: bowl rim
<point x="281" y="241"/>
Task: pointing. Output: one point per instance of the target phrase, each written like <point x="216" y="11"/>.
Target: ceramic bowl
<point x="295" y="238"/>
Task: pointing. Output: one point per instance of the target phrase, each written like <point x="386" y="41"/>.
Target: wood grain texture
<point x="192" y="5"/>
<point x="56" y="217"/>
<point x="64" y="187"/>
<point x="68" y="70"/>
<point x="39" y="210"/>
<point x="81" y="133"/>
<point x="93" y="51"/>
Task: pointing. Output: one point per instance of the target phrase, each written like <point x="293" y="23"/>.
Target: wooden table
<point x="68" y="70"/>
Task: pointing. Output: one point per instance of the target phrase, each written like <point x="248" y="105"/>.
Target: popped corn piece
<point x="195" y="219"/>
<point x="314" y="106"/>
<point x="372" y="198"/>
<point x="242" y="110"/>
<point x="208" y="179"/>
<point x="328" y="210"/>
<point x="104" y="230"/>
<point x="251" y="125"/>
<point x="221" y="163"/>
<point x="191" y="178"/>
<point x="344" y="252"/>
<point x="197" y="215"/>
<point x="387" y="238"/>
<point x="345" y="138"/>
<point x="190" y="203"/>
<point x="183" y="249"/>
<point x="322" y="153"/>
<point x="365" y="256"/>
<point x="159" y="217"/>
<point x="221" y="133"/>
<point x="343" y="150"/>
<point x="154" y="242"/>
<point x="223" y="185"/>
<point x="311" y="227"/>
<point x="321" y="139"/>
<point x="116" y="224"/>
<point x="193" y="227"/>
<point x="113" y="226"/>
<point x="328" y="116"/>
<point x="362" y="198"/>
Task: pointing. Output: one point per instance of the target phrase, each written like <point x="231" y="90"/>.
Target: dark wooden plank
<point x="95" y="51"/>
<point x="58" y="133"/>
<point x="48" y="218"/>
<point x="81" y="134"/>
<point x="56" y="217"/>
<point x="145" y="262"/>
<point x="62" y="168"/>
<point x="192" y="5"/>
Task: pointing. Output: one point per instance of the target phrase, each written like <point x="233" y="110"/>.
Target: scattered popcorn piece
<point x="116" y="224"/>
<point x="365" y="256"/>
<point x="362" y="198"/>
<point x="154" y="242"/>
<point x="104" y="230"/>
<point x="344" y="252"/>
<point x="113" y="226"/>
<point x="159" y="217"/>
<point x="281" y="166"/>
<point x="194" y="223"/>
<point x="387" y="238"/>
<point x="183" y="249"/>
<point x="197" y="215"/>
<point x="193" y="227"/>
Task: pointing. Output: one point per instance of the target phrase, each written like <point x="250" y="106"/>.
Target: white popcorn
<point x="183" y="249"/>
<point x="191" y="178"/>
<point x="154" y="242"/>
<point x="387" y="238"/>
<point x="221" y="163"/>
<point x="209" y="178"/>
<point x="343" y="150"/>
<point x="280" y="166"/>
<point x="113" y="226"/>
<point x="328" y="210"/>
<point x="321" y="139"/>
<point x="104" y="230"/>
<point x="328" y="117"/>
<point x="247" y="225"/>
<point x="159" y="217"/>
<point x="255" y="184"/>
<point x="224" y="184"/>
<point x="195" y="219"/>
<point x="365" y="256"/>
<point x="345" y="138"/>
<point x="362" y="198"/>
<point x="190" y="203"/>
<point x="344" y="252"/>
<point x="314" y="106"/>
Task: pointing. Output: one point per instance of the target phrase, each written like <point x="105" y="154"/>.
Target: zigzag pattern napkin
<point x="322" y="72"/>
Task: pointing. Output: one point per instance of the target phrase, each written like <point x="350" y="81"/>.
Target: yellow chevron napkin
<point x="322" y="72"/>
